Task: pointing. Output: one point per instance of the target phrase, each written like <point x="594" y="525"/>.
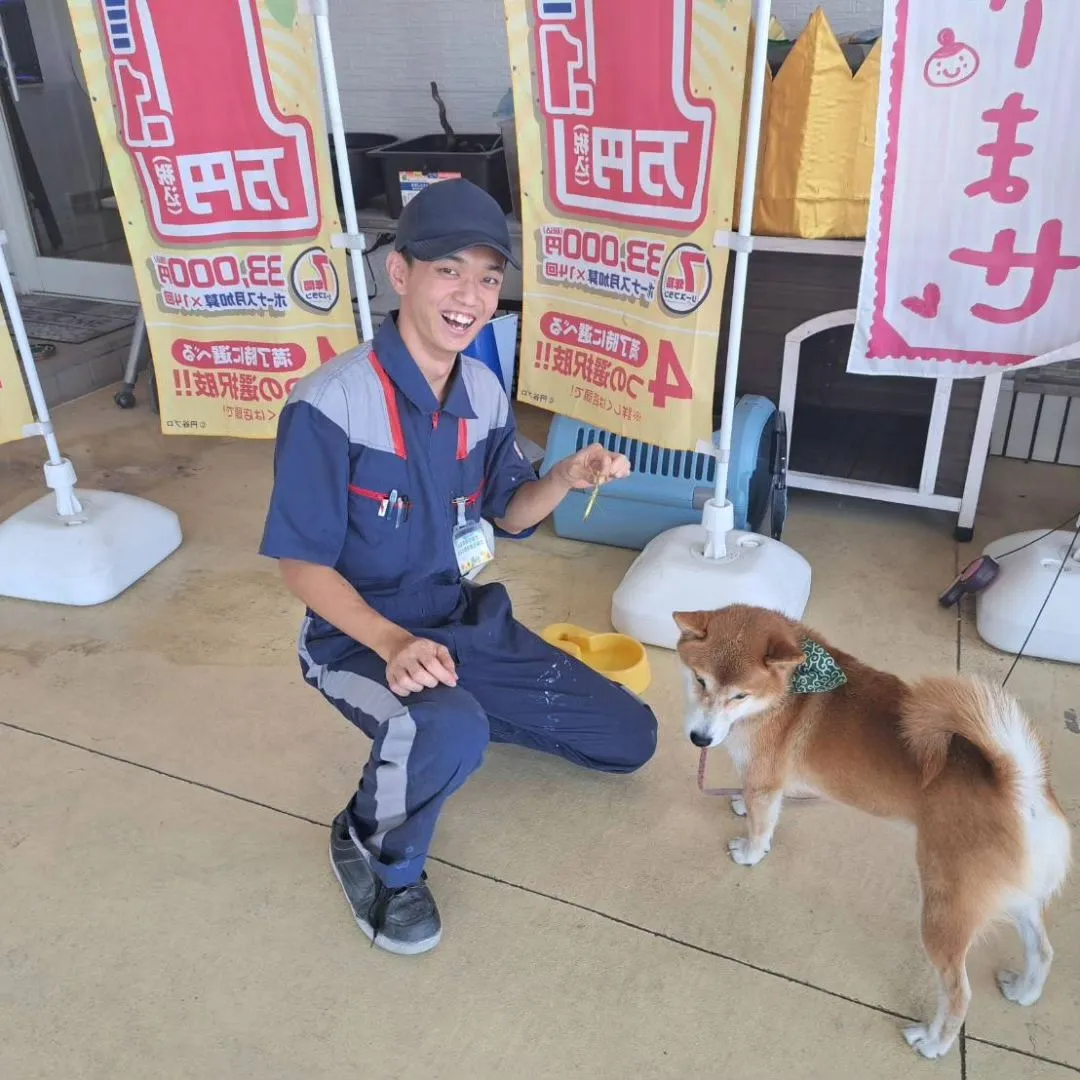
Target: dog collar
<point x="819" y="673"/>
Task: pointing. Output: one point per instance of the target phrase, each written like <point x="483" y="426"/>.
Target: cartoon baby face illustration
<point x="951" y="65"/>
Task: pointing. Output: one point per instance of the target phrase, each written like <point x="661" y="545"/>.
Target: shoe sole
<point x="398" y="948"/>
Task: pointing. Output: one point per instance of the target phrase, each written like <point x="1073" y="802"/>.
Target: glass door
<point x="65" y="234"/>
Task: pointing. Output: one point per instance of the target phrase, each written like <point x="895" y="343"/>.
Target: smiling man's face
<point x="446" y="303"/>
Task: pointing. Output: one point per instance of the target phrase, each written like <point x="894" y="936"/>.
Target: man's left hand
<point x="593" y="464"/>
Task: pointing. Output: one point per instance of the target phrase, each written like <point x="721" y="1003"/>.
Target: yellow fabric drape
<point x="818" y="141"/>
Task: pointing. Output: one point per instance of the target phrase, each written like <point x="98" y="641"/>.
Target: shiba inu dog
<point x="954" y="757"/>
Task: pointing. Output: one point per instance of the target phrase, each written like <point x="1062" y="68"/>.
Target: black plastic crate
<point x="367" y="174"/>
<point x="479" y="158"/>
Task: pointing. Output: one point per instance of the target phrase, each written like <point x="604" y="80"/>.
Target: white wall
<point x="844" y="15"/>
<point x="388" y="53"/>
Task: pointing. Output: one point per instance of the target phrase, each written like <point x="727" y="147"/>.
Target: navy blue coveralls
<point x="368" y="469"/>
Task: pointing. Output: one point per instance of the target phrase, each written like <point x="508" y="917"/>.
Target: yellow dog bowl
<point x="616" y="656"/>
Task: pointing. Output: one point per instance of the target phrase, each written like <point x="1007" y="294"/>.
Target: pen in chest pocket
<point x="395" y="508"/>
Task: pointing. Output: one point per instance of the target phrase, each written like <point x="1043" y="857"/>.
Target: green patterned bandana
<point x="819" y="673"/>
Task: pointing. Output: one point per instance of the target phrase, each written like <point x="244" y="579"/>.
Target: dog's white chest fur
<point x="740" y="747"/>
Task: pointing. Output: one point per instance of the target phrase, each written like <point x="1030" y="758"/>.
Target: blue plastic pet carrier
<point x="668" y="488"/>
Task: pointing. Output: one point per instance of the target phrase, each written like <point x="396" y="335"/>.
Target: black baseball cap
<point x="451" y="216"/>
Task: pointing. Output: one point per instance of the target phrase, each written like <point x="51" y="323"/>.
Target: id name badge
<point x="470" y="543"/>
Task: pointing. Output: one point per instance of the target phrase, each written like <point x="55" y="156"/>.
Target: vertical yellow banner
<point x="628" y="124"/>
<point x="14" y="401"/>
<point x="210" y="115"/>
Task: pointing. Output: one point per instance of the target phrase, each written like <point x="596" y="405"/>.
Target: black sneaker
<point x="403" y="921"/>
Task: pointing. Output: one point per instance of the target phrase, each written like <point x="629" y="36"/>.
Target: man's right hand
<point x="418" y="663"/>
<point x="412" y="663"/>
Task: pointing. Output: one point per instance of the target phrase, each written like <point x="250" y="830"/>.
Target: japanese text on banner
<point x="210" y="116"/>
<point x="973" y="254"/>
<point x="15" y="411"/>
<point x="627" y="145"/>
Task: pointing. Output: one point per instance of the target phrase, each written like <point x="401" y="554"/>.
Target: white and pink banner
<point x="973" y="245"/>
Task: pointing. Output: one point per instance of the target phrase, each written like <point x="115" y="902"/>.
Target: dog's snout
<point x="700" y="739"/>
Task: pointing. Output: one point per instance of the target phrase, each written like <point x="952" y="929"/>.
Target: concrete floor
<point x="166" y="906"/>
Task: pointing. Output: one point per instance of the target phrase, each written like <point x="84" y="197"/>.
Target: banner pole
<point x="59" y="472"/>
<point x="719" y="517"/>
<point x="331" y="93"/>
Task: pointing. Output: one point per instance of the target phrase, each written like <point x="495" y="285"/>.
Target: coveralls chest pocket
<point x="468" y="492"/>
<point x="381" y="509"/>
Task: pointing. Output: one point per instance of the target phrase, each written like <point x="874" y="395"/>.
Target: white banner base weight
<point x="88" y="557"/>
<point x="673" y="573"/>
<point x="74" y="547"/>
<point x="1008" y="608"/>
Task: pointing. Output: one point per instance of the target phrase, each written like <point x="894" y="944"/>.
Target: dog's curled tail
<point x="938" y="709"/>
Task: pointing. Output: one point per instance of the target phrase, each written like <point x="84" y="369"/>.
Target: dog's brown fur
<point x="952" y="756"/>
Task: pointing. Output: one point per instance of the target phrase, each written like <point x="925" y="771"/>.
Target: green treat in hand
<point x="592" y="500"/>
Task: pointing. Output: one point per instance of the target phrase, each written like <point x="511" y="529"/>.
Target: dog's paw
<point x="920" y="1040"/>
<point x="1016" y="989"/>
<point x="745" y="853"/>
<point x="738" y="805"/>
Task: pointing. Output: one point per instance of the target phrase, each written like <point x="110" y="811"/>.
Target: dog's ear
<point x="693" y="624"/>
<point x="783" y="651"/>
